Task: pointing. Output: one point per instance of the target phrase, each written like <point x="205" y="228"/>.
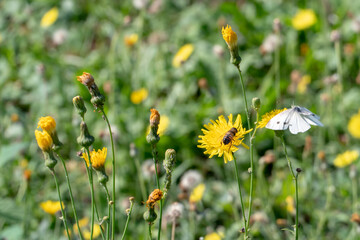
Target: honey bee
<point x="229" y="135"/>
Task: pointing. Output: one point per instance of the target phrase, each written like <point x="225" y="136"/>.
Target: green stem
<point x="127" y="220"/>
<point x="61" y="204"/>
<point x="150" y="234"/>
<point x="113" y="176"/>
<point x="109" y="212"/>
<point x="295" y="178"/>
<point x="71" y="194"/>
<point x="156" y="160"/>
<point x="241" y="199"/>
<point x="354" y="193"/>
<point x="90" y="175"/>
<point x="244" y="96"/>
<point x="141" y="179"/>
<point x="277" y="74"/>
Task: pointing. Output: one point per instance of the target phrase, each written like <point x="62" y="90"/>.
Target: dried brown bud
<point x="86" y="78"/>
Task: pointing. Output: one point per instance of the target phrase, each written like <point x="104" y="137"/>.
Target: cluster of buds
<point x="169" y="162"/>
<point x="153" y="136"/>
<point x="97" y="99"/>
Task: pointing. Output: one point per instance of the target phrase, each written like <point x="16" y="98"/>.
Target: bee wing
<point x="298" y="123"/>
<point x="280" y="121"/>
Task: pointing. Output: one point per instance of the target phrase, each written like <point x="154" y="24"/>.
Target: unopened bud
<point x="153" y="136"/>
<point x="256" y="103"/>
<point x="150" y="215"/>
<point x="50" y="160"/>
<point x="169" y="162"/>
<point x="85" y="139"/>
<point x="79" y="106"/>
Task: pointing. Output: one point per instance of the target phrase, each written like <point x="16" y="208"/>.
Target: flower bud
<point x="102" y="177"/>
<point x="230" y="38"/>
<point x="97" y="99"/>
<point x="48" y="124"/>
<point x="85" y="139"/>
<point x="50" y="160"/>
<point x="256" y="103"/>
<point x="44" y="140"/>
<point x="153" y="136"/>
<point x="79" y="106"/>
<point x="150" y="215"/>
<point x="170" y="158"/>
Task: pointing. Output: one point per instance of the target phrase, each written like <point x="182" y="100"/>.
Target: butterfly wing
<point x="298" y="123"/>
<point x="310" y="117"/>
<point x="281" y="120"/>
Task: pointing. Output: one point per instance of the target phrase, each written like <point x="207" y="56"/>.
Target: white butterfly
<point x="297" y="119"/>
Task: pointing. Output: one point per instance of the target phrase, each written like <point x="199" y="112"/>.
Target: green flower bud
<point x="57" y="144"/>
<point x="150" y="215"/>
<point x="50" y="160"/>
<point x="85" y="139"/>
<point x="169" y="162"/>
<point x="79" y="106"/>
<point x="102" y="177"/>
<point x="153" y="136"/>
<point x="256" y="103"/>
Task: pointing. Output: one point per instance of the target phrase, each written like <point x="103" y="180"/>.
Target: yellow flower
<point x="346" y="158"/>
<point x="304" y="19"/>
<point x="213" y="236"/>
<point x="197" y="193"/>
<point x="304" y="82"/>
<point x="182" y="55"/>
<point x="163" y="125"/>
<point x="44" y="140"/>
<point x="51" y="207"/>
<point x="229" y="36"/>
<point x="97" y="158"/>
<point x="47" y="124"/>
<point x="85" y="228"/>
<point x="212" y="140"/>
<point x="290" y="204"/>
<point x="139" y="96"/>
<point x="267" y="116"/>
<point x="49" y="17"/>
<point x="131" y="40"/>
<point x="354" y="125"/>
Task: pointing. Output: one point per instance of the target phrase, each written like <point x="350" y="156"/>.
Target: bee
<point x="229" y="135"/>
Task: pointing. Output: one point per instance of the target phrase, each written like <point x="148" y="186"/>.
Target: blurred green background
<point x="38" y="68"/>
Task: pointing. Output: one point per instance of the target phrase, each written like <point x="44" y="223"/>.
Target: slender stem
<point x="156" y="160"/>
<point x="128" y="220"/>
<point x="141" y="178"/>
<point x="295" y="178"/>
<point x="71" y="194"/>
<point x="113" y="176"/>
<point x="338" y="64"/>
<point x="109" y="212"/>
<point x="244" y="96"/>
<point x="354" y="193"/>
<point x="63" y="217"/>
<point x="277" y="73"/>
<point x="173" y="229"/>
<point x="241" y="199"/>
<point x="100" y="221"/>
<point x="92" y="193"/>
<point x="150" y="234"/>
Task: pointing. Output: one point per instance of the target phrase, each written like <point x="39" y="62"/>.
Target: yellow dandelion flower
<point x="197" y="193"/>
<point x="47" y="124"/>
<point x="163" y="125"/>
<point x="182" y="55"/>
<point x="214" y="133"/>
<point x="267" y="116"/>
<point x="304" y="19"/>
<point x="97" y="158"/>
<point x="85" y="228"/>
<point x="290" y="204"/>
<point x="131" y="40"/>
<point x="213" y="236"/>
<point x="49" y="17"/>
<point x="303" y="84"/>
<point x="139" y="96"/>
<point x="51" y="207"/>
<point x="44" y="140"/>
<point x="229" y="36"/>
<point x="354" y="125"/>
<point x="346" y="158"/>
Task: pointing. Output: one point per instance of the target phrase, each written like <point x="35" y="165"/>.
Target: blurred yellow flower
<point x="302" y="85"/>
<point x="51" y="207"/>
<point x="304" y="19"/>
<point x="85" y="228"/>
<point x="290" y="204"/>
<point x="213" y="236"/>
<point x="163" y="125"/>
<point x="97" y="158"/>
<point x="346" y="158"/>
<point x="139" y="96"/>
<point x="47" y="124"/>
<point x="354" y="125"/>
<point x="49" y="17"/>
<point x="214" y="133"/>
<point x="131" y="40"/>
<point x="182" y="55"/>
<point x="44" y="140"/>
<point x="229" y="36"/>
<point x="197" y="193"/>
<point x="267" y="116"/>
